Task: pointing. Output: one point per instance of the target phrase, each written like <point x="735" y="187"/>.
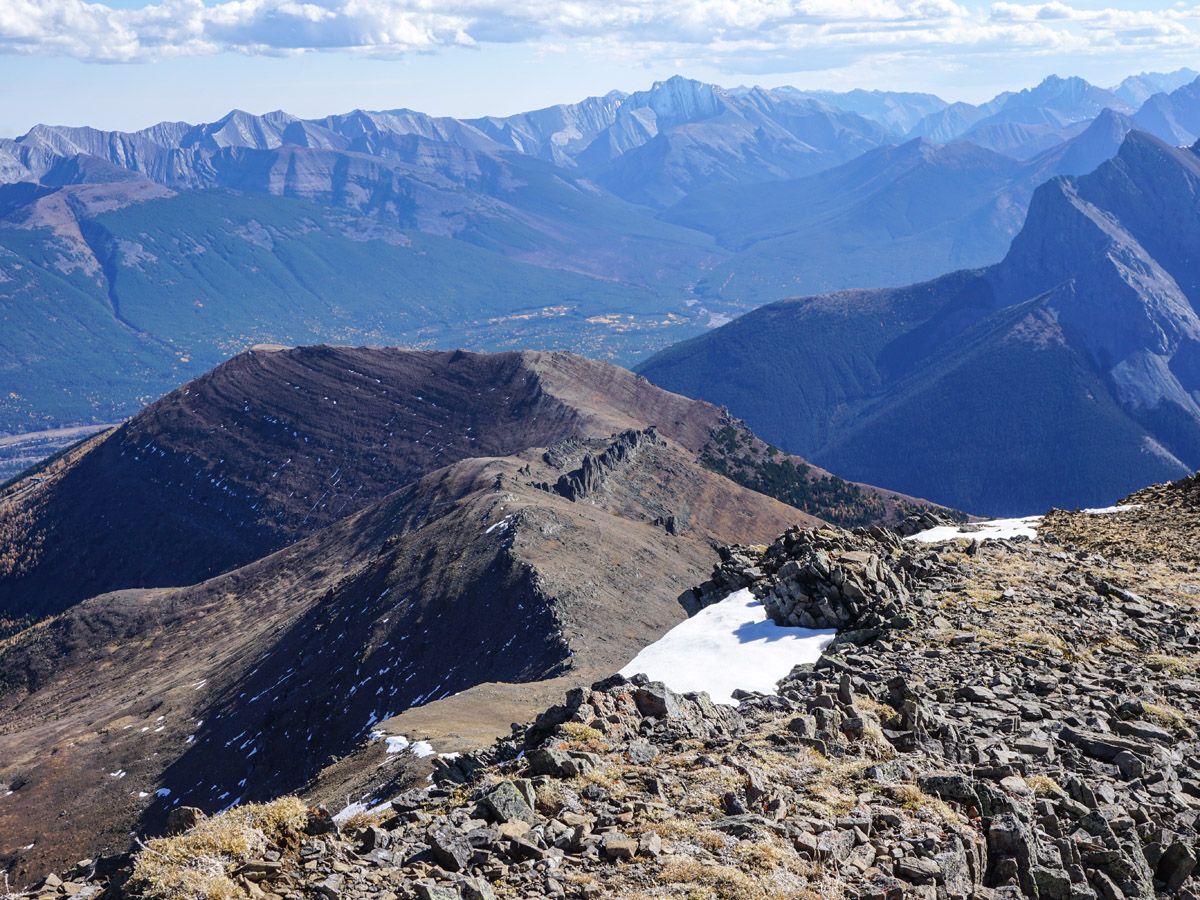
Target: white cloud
<point x="785" y="31"/>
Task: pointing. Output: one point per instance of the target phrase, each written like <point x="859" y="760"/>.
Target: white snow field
<point x="729" y="645"/>
<point x="991" y="530"/>
<point x="999" y="529"/>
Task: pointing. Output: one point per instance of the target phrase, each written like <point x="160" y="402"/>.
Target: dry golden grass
<point x="881" y="711"/>
<point x="981" y="596"/>
<point x="711" y="881"/>
<point x="608" y="777"/>
<point x="363" y="819"/>
<point x="711" y="840"/>
<point x="582" y="737"/>
<point x="1044" y="786"/>
<point x="697" y="880"/>
<point x="551" y="798"/>
<point x="1173" y="665"/>
<point x="1167" y="716"/>
<point x="874" y="745"/>
<point x="1119" y="642"/>
<point x="761" y="856"/>
<point x="1041" y="639"/>
<point x="772" y="857"/>
<point x="924" y="805"/>
<point x="196" y="865"/>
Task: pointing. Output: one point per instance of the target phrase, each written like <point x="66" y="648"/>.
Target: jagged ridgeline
<point x="615" y="226"/>
<point x="995" y="719"/>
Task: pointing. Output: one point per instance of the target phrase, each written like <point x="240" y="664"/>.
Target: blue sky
<point x="129" y="63"/>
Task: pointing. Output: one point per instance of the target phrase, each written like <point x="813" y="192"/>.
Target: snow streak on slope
<point x="729" y="645"/>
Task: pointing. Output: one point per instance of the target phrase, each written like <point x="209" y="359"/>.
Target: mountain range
<point x="1064" y="374"/>
<point x="612" y="227"/>
<point x="350" y="573"/>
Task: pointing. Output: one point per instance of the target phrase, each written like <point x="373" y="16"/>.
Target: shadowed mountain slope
<point x="1062" y="375"/>
<point x="893" y="216"/>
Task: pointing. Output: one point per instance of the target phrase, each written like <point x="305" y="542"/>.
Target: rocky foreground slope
<point x="358" y="534"/>
<point x="996" y="719"/>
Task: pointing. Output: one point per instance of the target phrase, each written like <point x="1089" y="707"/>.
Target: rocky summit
<point x="996" y="718"/>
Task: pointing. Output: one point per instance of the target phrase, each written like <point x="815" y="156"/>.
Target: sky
<point x="126" y="64"/>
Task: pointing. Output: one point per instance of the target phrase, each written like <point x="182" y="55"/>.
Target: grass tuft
<point x="197" y="864"/>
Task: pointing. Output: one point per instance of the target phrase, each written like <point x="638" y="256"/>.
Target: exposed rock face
<point x="591" y="474"/>
<point x="829" y="583"/>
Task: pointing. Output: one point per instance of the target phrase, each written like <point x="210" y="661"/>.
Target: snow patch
<point x="729" y="645"/>
<point x="991" y="530"/>
<point x="369" y="807"/>
<point x="1002" y="529"/>
<point x="502" y="524"/>
<point x="398" y="743"/>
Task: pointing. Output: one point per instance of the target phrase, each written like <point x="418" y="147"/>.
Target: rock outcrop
<point x="596" y="468"/>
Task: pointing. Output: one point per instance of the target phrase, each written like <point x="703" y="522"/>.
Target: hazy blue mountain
<point x="1174" y="116"/>
<point x="1099" y="141"/>
<point x="1024" y="123"/>
<point x="643" y="216"/>
<point x="1056" y="102"/>
<point x="898" y="111"/>
<point x="1021" y="140"/>
<point x="1137" y="89"/>
<point x="646" y="146"/>
<point x="557" y="133"/>
<point x="1064" y="374"/>
<point x="112" y="293"/>
<point x="893" y="216"/>
<point x="682" y="134"/>
<point x="948" y="124"/>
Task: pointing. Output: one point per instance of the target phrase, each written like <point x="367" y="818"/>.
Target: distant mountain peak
<point x="679" y="98"/>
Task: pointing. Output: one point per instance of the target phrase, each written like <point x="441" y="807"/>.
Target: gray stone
<point x="475" y="889"/>
<point x="450" y="849"/>
<point x="504" y="803"/>
<point x="1176" y="864"/>
<point x="656" y="701"/>
<point x="430" y="891"/>
<point x="561" y="763"/>
<point x="918" y="870"/>
<point x="618" y="846"/>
